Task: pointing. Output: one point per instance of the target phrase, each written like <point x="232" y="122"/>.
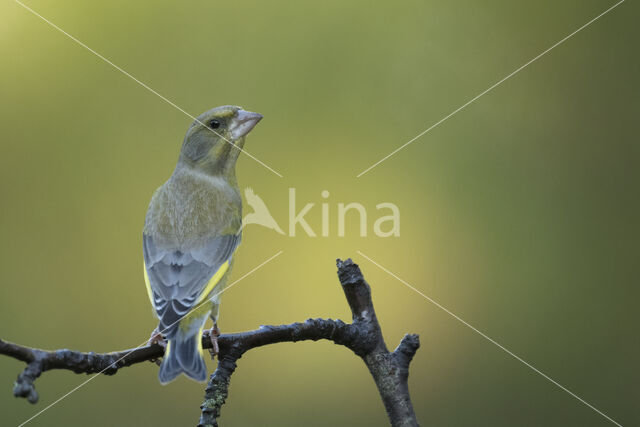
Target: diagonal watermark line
<point x="491" y="340"/>
<point x="165" y="99"/>
<point x="146" y="341"/>
<point x="490" y="88"/>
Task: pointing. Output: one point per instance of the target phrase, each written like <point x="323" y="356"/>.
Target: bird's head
<point x="214" y="140"/>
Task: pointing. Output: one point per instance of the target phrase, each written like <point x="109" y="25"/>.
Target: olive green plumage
<point x="192" y="229"/>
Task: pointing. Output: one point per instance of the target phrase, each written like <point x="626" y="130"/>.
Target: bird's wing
<point x="178" y="280"/>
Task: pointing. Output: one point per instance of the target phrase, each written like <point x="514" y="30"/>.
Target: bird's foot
<point x="214" y="333"/>
<point x="157" y="338"/>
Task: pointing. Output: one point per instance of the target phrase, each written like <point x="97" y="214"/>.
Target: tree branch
<point x="363" y="336"/>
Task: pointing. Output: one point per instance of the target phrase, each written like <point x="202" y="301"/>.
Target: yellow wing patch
<point x="213" y="282"/>
<point x="207" y="290"/>
<point x="146" y="282"/>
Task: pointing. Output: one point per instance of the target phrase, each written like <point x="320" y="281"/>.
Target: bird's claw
<point x="213" y="334"/>
<point x="157" y="338"/>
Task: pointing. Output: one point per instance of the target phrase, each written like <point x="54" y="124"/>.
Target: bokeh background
<point x="519" y="214"/>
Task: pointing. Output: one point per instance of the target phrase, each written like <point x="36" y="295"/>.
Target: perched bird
<point x="260" y="214"/>
<point x="192" y="229"/>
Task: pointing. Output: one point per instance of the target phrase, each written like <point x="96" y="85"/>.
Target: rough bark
<point x="390" y="370"/>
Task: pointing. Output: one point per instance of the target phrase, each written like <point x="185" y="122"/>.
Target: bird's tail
<point x="183" y="356"/>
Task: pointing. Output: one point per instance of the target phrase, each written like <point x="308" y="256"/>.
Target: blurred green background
<point x="519" y="214"/>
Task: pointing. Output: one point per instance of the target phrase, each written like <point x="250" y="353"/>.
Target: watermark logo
<point x="260" y="214"/>
<point x="386" y="224"/>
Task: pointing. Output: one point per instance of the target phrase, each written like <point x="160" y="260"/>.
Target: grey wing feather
<point x="177" y="277"/>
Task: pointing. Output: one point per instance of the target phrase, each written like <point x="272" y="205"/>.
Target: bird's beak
<point x="243" y="122"/>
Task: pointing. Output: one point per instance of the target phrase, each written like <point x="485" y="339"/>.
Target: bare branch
<point x="39" y="361"/>
<point x="363" y="336"/>
<point x="390" y="371"/>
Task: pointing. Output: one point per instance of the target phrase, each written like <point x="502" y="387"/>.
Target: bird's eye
<point x="214" y="124"/>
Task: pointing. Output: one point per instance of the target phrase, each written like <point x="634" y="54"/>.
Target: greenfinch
<point x="192" y="229"/>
